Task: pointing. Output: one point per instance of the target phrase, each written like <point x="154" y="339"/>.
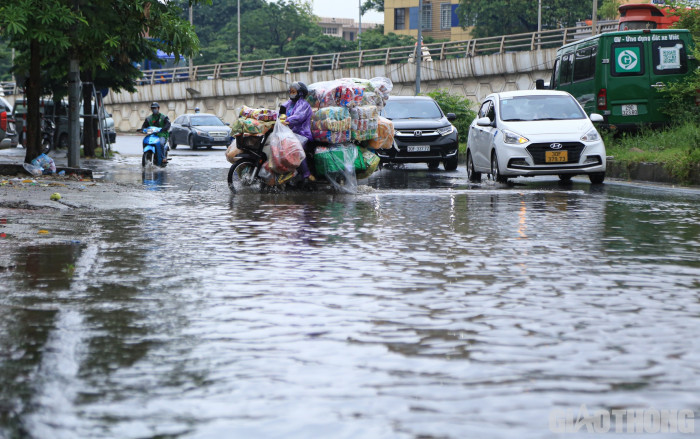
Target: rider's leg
<point x="159" y="151"/>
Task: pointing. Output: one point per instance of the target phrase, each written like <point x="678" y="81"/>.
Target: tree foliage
<point x="369" y="5"/>
<point x="609" y="9"/>
<point x="460" y="106"/>
<point x="503" y="17"/>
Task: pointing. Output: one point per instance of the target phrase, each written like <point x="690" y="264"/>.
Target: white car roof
<point x="508" y="94"/>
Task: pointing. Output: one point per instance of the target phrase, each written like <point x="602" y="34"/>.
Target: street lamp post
<point x="239" y="30"/>
<point x="359" y="26"/>
<point x="594" y="21"/>
<point x="419" y="45"/>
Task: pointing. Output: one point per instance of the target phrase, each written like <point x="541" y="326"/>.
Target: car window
<point x="412" y="109"/>
<point x="539" y="107"/>
<point x="205" y="120"/>
<point x="566" y="69"/>
<point x="491" y="111"/>
<point x="179" y="120"/>
<point x="483" y="111"/>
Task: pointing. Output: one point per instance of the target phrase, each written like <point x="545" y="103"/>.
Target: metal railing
<point x="547" y="39"/>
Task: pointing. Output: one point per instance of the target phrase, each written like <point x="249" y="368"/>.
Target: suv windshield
<point x="205" y="121"/>
<point x="540" y="107"/>
<point x="411" y="109"/>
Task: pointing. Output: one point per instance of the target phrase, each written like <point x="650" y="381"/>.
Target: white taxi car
<point x="534" y="132"/>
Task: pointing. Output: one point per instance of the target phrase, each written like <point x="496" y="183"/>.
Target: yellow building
<point x="439" y="19"/>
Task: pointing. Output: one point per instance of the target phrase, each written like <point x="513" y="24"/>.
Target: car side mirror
<point x="186" y="125"/>
<point x="484" y="122"/>
<point x="595" y="117"/>
<point x="451" y="117"/>
<point x="227" y="123"/>
<point x="539" y="84"/>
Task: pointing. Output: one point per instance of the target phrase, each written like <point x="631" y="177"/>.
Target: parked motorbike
<point x="48" y="128"/>
<point x="150" y="142"/>
<point x="248" y="171"/>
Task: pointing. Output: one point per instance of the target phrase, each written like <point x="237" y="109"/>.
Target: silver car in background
<point x="534" y="132"/>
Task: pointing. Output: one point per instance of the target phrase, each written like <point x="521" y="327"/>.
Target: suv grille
<point x="537" y="151"/>
<point x="428" y="135"/>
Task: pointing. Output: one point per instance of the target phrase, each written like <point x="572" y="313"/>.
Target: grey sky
<point x="345" y="9"/>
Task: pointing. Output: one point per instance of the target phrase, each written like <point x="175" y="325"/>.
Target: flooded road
<point x="422" y="307"/>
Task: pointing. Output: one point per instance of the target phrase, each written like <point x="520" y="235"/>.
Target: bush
<point x="459" y="105"/>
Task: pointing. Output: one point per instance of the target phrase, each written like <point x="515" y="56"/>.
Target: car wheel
<point x="209" y="147"/>
<point x="565" y="178"/>
<point x="597" y="177"/>
<point x="190" y="141"/>
<point x="473" y="176"/>
<point x="451" y="163"/>
<point x="173" y="145"/>
<point x="63" y="141"/>
<point x="433" y="165"/>
<point x="495" y="172"/>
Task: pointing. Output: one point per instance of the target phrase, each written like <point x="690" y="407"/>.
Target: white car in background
<point x="534" y="132"/>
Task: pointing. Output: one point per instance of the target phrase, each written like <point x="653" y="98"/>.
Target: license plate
<point x="219" y="138"/>
<point x="418" y="148"/>
<point x="629" y="110"/>
<point x="556" y="156"/>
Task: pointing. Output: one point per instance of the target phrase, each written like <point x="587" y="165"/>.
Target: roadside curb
<point x="649" y="172"/>
<point x="14" y="169"/>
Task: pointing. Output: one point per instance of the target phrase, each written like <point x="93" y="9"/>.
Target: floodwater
<point x="421" y="307"/>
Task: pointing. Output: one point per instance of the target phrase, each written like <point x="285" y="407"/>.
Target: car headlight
<point x="199" y="132"/>
<point x="446" y="130"/>
<point x="591" y="136"/>
<point x="513" y="138"/>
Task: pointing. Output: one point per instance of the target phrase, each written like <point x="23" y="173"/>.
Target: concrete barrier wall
<point x="472" y="77"/>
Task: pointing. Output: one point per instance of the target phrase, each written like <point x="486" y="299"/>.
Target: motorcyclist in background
<point x="298" y="117"/>
<point x="157" y="119"/>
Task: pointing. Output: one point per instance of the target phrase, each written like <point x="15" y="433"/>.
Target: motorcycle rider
<point x="298" y="118"/>
<point x="157" y="119"/>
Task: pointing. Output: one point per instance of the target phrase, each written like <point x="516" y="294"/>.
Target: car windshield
<point x="540" y="107"/>
<point x="205" y="121"/>
<point x="411" y="109"/>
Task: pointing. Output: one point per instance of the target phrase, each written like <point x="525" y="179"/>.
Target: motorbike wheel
<point x="147" y="158"/>
<point x="241" y="174"/>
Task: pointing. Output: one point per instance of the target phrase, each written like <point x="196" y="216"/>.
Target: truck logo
<point x="628" y="59"/>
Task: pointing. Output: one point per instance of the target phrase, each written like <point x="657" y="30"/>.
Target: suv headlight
<point x="513" y="138"/>
<point x="591" y="136"/>
<point x="446" y="130"/>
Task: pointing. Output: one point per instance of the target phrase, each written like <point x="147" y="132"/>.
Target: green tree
<point x="41" y="28"/>
<point x="503" y="17"/>
<point x="683" y="93"/>
<point x="105" y="35"/>
<point x="609" y="9"/>
<point x="460" y="106"/>
<point x="369" y="5"/>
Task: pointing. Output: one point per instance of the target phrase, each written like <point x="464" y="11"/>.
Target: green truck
<point x="620" y="74"/>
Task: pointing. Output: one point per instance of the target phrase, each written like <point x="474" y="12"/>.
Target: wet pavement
<point x="421" y="307"/>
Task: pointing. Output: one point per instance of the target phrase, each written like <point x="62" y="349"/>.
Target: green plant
<point x="459" y="105"/>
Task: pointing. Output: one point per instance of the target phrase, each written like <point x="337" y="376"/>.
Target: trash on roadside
<point x="32" y="169"/>
<point x="45" y="163"/>
<point x="43" y="232"/>
<point x="55" y="196"/>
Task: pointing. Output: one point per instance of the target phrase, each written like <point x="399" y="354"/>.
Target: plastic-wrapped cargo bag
<point x="338" y="164"/>
<point x="286" y="151"/>
<point x="385" y="135"/>
<point x="372" y="161"/>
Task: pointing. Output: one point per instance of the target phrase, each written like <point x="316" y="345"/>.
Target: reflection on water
<point x="443" y="310"/>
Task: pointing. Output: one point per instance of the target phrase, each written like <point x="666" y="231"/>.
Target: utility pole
<point x="191" y="23"/>
<point x="359" y="26"/>
<point x="419" y="45"/>
<point x="594" y="21"/>
<point x="239" y="30"/>
<point x="539" y="16"/>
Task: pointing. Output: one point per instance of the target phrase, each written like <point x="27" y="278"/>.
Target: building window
<point x="445" y="16"/>
<point x="330" y="30"/>
<point x="399" y="18"/>
<point x="427" y="17"/>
